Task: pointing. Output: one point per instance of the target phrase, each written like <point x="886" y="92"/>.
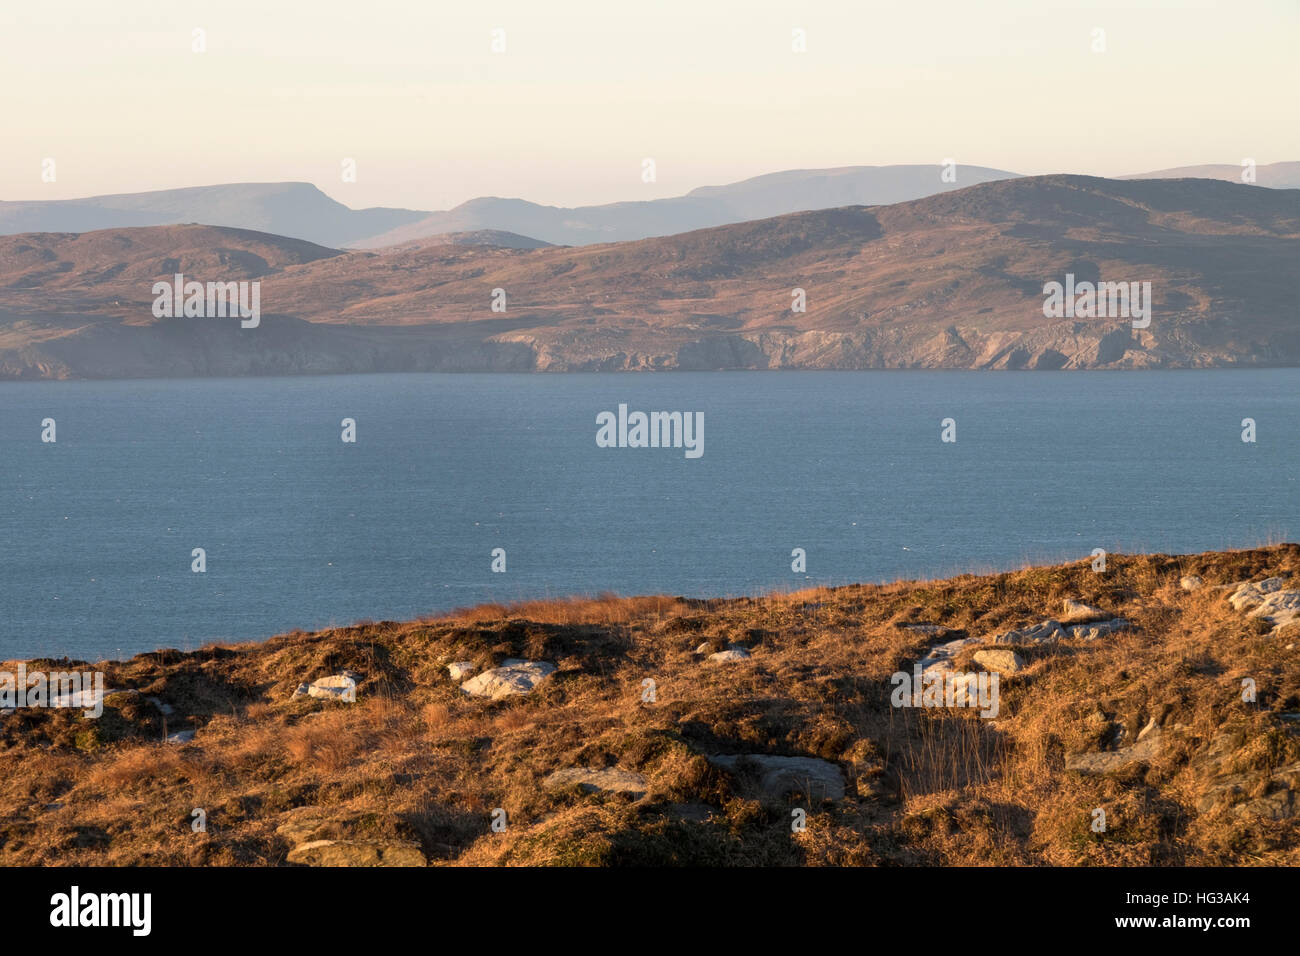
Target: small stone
<point x="1190" y="582"/>
<point x="610" y="780"/>
<point x="298" y="825"/>
<point x="459" y="670"/>
<point x="1144" y="750"/>
<point x="1001" y="661"/>
<point x="1099" y="629"/>
<point x="942" y="655"/>
<point x="1042" y="633"/>
<point x="350" y="853"/>
<point x="729" y="656"/>
<point x="1075" y="612"/>
<point x="180" y="737"/>
<point x="1275" y="795"/>
<point x="1277" y="805"/>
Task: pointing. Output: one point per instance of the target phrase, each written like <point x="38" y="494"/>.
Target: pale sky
<point x="112" y="91"/>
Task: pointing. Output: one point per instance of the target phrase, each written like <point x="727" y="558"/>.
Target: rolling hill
<point x="950" y="281"/>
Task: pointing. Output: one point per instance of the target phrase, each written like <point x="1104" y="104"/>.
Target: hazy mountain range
<point x="758" y="198"/>
<point x="301" y="211"/>
<point x="949" y="281"/>
<point x="1272" y="175"/>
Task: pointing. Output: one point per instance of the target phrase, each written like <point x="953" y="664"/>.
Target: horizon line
<point x="517" y="198"/>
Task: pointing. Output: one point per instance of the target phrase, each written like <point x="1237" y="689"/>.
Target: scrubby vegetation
<point x="415" y="762"/>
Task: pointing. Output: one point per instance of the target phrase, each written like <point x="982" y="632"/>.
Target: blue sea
<point x="303" y="530"/>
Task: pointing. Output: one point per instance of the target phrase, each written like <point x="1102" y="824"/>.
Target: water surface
<point x="303" y="530"/>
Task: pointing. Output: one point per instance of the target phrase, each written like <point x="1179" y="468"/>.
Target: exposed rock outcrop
<point x="515" y="676"/>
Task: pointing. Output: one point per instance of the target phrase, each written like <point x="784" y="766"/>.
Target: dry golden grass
<point x="607" y="609"/>
<point x="417" y="761"/>
<point x="435" y="714"/>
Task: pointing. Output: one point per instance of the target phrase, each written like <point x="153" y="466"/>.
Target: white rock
<point x="459" y="670"/>
<point x="728" y="656"/>
<point x="942" y="655"/>
<point x="1249" y="593"/>
<point x="180" y="737"/>
<point x="339" y="687"/>
<point x="513" y="677"/>
<point x="1042" y="633"/>
<point x="1075" y="612"/>
<point x="1003" y="661"/>
<point x="87" y="698"/>
<point x="1281" y="609"/>
<point x="1100" y="628"/>
<point x="1190" y="582"/>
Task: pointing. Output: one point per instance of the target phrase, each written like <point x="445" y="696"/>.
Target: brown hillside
<point x="1147" y="722"/>
<point x="951" y="281"/>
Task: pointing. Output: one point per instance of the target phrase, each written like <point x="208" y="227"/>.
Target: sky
<point x="713" y="91"/>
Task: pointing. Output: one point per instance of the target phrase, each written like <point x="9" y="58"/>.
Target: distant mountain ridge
<point x="1271" y="175"/>
<point x="761" y="197"/>
<point x="296" y="210"/>
<point x="302" y="211"/>
<point x="954" y="280"/>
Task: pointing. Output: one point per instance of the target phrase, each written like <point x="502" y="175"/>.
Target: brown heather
<point x="417" y="760"/>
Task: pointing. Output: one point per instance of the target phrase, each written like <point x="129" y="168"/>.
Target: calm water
<point x="303" y="530"/>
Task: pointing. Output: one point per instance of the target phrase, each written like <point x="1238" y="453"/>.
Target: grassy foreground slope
<point x="413" y="770"/>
